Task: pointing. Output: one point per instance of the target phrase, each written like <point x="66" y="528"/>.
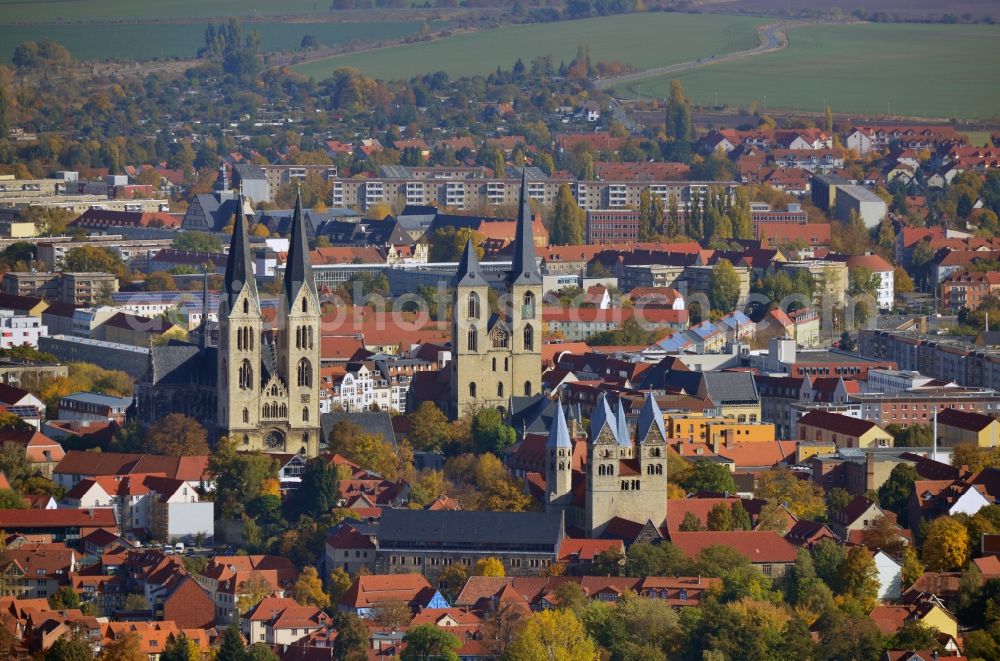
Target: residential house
<point x="368" y="593"/>
<point x="967" y="428"/>
<point x="841" y="430"/>
<point x="765" y="550"/>
<point x="281" y="621"/>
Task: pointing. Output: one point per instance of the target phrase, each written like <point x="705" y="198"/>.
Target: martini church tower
<point x="497" y="355"/>
<point x="268" y="382"/>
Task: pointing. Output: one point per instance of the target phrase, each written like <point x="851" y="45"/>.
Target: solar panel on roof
<point x="23" y="411"/>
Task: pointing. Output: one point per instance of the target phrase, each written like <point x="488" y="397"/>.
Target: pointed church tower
<point x="559" y="464"/>
<point x="298" y="344"/>
<point x="604" y="454"/>
<point x="240" y="327"/>
<point x="470" y="314"/>
<point x="525" y="282"/>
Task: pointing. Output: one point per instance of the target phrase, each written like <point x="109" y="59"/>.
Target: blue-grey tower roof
<point x="603" y="417"/>
<point x="622" y="423"/>
<point x="650" y="415"/>
<point x="239" y="267"/>
<point x="298" y="270"/>
<point x="524" y="269"/>
<point x="469" y="274"/>
<point x="559" y="432"/>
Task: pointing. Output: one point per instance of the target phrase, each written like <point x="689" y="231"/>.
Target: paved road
<point x="772" y="38"/>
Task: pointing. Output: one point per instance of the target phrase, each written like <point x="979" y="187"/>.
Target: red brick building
<point x="967" y="289"/>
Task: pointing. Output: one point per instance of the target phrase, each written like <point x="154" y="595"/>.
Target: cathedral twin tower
<point x="268" y="383"/>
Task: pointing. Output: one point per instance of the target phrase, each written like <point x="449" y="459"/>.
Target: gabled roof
<point x="835" y="422"/>
<point x="603" y="417"/>
<point x="757" y="546"/>
<point x="967" y="420"/>
<point x="298" y="271"/>
<point x="367" y="591"/>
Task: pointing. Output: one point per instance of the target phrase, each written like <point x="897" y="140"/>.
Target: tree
<point x="308" y="589"/>
<point x="720" y="517"/>
<point x="160" y="281"/>
<point x="663" y="559"/>
<point x="489" y="433"/>
<point x="828" y="556"/>
<point x="836" y="500"/>
<point x="317" y="493"/>
<point x="391" y="614"/>
<point x="193" y="241"/>
<point x="49" y="221"/>
<point x="260" y="652"/>
<point x="847" y="636"/>
<point x="125" y="648"/>
<point x="94" y="259"/>
<point x="231" y="648"/>
<point x="370" y="451"/>
<point x="339" y="583"/>
<point x="14" y="463"/>
<point x="489" y="567"/>
<point x="828" y="120"/>
<point x="708" y="476"/>
<point x="567" y="219"/>
<point x="177" y="435"/>
<point x="453" y="578"/>
<point x="883" y="533"/>
<point x="557" y="635"/>
<point x="351" y="642"/>
<point x="803" y="498"/>
<point x="650" y="215"/>
<point x="70" y="649"/>
<point x="858" y="576"/>
<point x="894" y="494"/>
<point x="67" y="597"/>
<point x="740" y="516"/>
<point x="427" y="641"/>
<point x="251" y="592"/>
<point x="690" y="523"/>
<point x="448" y="243"/>
<point x="136" y="602"/>
<point x="912" y="568"/>
<point x="946" y="546"/>
<point x="11" y="500"/>
<point x="429" y="429"/>
<point x="724" y="287"/>
<point x="181" y="648"/>
<point x="240" y="477"/>
<point x="719" y="560"/>
<point x="901" y="281"/>
<point x="678" y="119"/>
<point x="607" y="563"/>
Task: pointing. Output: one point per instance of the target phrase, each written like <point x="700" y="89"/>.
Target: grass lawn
<point x="977" y="138"/>
<point x="133" y="41"/>
<point x="90" y="10"/>
<point x="902" y="69"/>
<point x="642" y="40"/>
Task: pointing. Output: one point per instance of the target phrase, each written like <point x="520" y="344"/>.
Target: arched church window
<point x="527" y="388"/>
<point x="246" y="306"/>
<point x="246" y="375"/>
<point x="494" y="364"/>
<point x="246" y="416"/>
<point x="305" y="414"/>
<point x="473" y="305"/>
<point x="528" y="306"/>
<point x="305" y="374"/>
<point x="473" y="340"/>
<point x="305" y="305"/>
<point x="499" y="390"/>
<point x="529" y="338"/>
<point x="472" y="390"/>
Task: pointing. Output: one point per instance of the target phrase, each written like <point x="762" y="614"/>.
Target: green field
<point x="42" y="11"/>
<point x="642" y="40"/>
<point x="143" y="41"/>
<point x="900" y="69"/>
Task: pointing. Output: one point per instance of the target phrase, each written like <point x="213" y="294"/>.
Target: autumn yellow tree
<point x="803" y="498"/>
<point x="912" y="568"/>
<point x="490" y="567"/>
<point x="555" y="635"/>
<point x="177" y="435"/>
<point x="946" y="546"/>
<point x="251" y="592"/>
<point x="339" y="583"/>
<point x="308" y="589"/>
<point x="498" y="492"/>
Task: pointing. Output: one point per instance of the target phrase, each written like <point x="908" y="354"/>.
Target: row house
<point x="381" y="383"/>
<point x="226" y="580"/>
<point x="281" y="621"/>
<point x="811" y="160"/>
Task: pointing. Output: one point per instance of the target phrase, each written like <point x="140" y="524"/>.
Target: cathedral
<point x="497" y="354"/>
<point x="259" y="387"/>
<point x="619" y="473"/>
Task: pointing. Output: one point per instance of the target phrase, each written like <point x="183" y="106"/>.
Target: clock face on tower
<point x="274" y="441"/>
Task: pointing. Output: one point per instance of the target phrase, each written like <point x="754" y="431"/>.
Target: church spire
<point x="239" y="267"/>
<point x="559" y="432"/>
<point x="298" y="271"/>
<point x="469" y="274"/>
<point x="524" y="270"/>
<point x="203" y="339"/>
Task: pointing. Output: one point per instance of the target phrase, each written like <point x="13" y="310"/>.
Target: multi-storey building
<point x="17" y="330"/>
<point x="464" y="192"/>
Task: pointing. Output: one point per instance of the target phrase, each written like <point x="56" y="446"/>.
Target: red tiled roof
<point x="756" y="546"/>
<point x="585" y="549"/>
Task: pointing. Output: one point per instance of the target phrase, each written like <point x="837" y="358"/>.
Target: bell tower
<point x="525" y="283"/>
<point x="298" y="343"/>
<point x="239" y="343"/>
